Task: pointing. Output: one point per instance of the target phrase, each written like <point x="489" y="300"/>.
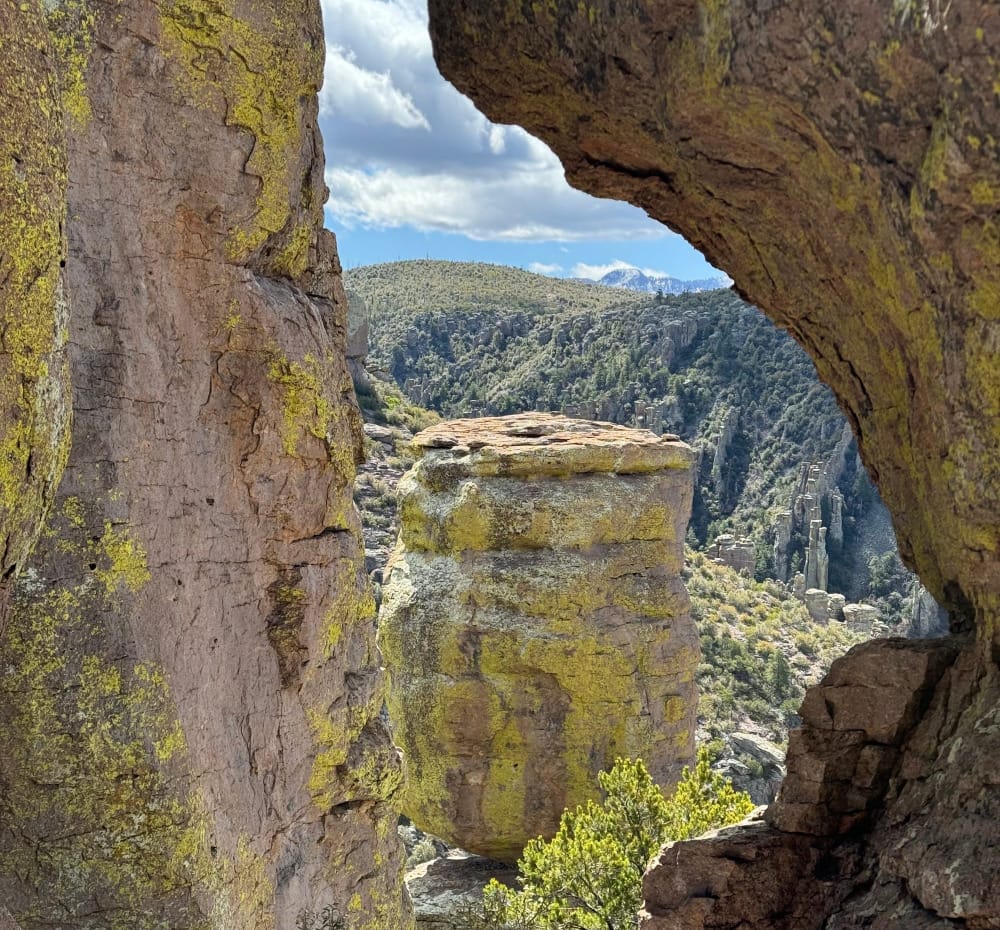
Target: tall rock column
<point x="840" y="162"/>
<point x="190" y="692"/>
<point x="534" y="621"/>
<point x="34" y="375"/>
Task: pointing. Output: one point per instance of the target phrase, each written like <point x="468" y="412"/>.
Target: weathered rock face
<point x="190" y="693"/>
<point x="534" y="622"/>
<point x="445" y="891"/>
<point x="755" y="132"/>
<point x="839" y="162"/>
<point x="34" y="377"/>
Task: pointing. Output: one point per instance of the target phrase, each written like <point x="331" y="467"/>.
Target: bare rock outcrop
<point x="190" y="694"/>
<point x="839" y="162"/>
<point x="34" y="375"/>
<point x="534" y="622"/>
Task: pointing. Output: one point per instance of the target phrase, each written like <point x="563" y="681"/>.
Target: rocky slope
<point x="839" y="163"/>
<point x="774" y="450"/>
<point x="190" y="701"/>
<point x="534" y="622"/>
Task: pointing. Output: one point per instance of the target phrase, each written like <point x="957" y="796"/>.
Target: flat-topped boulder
<point x="536" y="444"/>
<point x="534" y="621"/>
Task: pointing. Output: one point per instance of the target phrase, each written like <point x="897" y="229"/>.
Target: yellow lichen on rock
<point x="34" y="380"/>
<point x="263" y="77"/>
<point x="534" y="626"/>
<point x="90" y="748"/>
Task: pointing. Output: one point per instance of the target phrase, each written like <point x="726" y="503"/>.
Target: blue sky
<point x="415" y="171"/>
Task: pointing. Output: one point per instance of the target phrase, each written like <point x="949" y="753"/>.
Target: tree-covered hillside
<point x="466" y="340"/>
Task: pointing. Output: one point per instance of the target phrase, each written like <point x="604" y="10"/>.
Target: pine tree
<point x="589" y="875"/>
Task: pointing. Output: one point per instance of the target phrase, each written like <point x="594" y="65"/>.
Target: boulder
<point x="445" y="891"/>
<point x="818" y="604"/>
<point x="861" y="618"/>
<point x="534" y="622"/>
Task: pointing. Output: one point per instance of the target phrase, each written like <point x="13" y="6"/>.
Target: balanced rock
<point x="534" y="622"/>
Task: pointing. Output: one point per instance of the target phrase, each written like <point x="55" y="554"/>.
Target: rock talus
<point x="840" y="164"/>
<point x="190" y="695"/>
<point x="534" y="622"/>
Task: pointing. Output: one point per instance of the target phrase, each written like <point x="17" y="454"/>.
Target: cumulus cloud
<point x="596" y="272"/>
<point x="513" y="206"/>
<point x="349" y="89"/>
<point x="405" y="148"/>
<point x="542" y="268"/>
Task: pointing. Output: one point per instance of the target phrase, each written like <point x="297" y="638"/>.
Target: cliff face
<point x="190" y="699"/>
<point x="839" y="163"/>
<point x="34" y="377"/>
<point x="534" y="621"/>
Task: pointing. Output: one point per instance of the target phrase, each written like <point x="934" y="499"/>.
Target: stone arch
<point x="838" y="162"/>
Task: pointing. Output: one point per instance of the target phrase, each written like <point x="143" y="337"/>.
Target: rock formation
<point x="840" y="163"/>
<point x="356" y="348"/>
<point x="534" y="622"/>
<point x="445" y="890"/>
<point x="34" y="377"/>
<point x="737" y="553"/>
<point x="190" y="701"/>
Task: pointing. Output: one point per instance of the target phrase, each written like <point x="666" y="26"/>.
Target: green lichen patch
<point x="34" y="380"/>
<point x="305" y="406"/>
<point x="245" y="893"/>
<point x="71" y="24"/>
<point x="262" y="72"/>
<point x="103" y="831"/>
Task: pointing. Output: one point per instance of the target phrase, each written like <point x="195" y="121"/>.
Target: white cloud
<point x="351" y="91"/>
<point x="459" y="173"/>
<point x="542" y="268"/>
<point x="498" y="142"/>
<point x="514" y="206"/>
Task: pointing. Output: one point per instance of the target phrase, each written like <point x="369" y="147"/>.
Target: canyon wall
<point x="840" y="164"/>
<point x="190" y="698"/>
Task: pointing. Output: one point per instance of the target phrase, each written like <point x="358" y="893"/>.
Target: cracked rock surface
<point x="534" y="621"/>
<point x="190" y="697"/>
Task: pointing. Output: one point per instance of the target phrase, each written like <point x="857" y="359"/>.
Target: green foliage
<point x="382" y="402"/>
<point x="589" y="875"/>
<point x="473" y="340"/>
<point x="760" y="649"/>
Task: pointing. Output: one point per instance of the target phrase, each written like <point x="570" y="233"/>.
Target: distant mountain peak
<point x="633" y="279"/>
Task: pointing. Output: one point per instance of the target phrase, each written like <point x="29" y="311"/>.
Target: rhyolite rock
<point x="447" y="890"/>
<point x="840" y="163"/>
<point x="34" y="375"/>
<point x="534" y="622"/>
<point x="190" y="695"/>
